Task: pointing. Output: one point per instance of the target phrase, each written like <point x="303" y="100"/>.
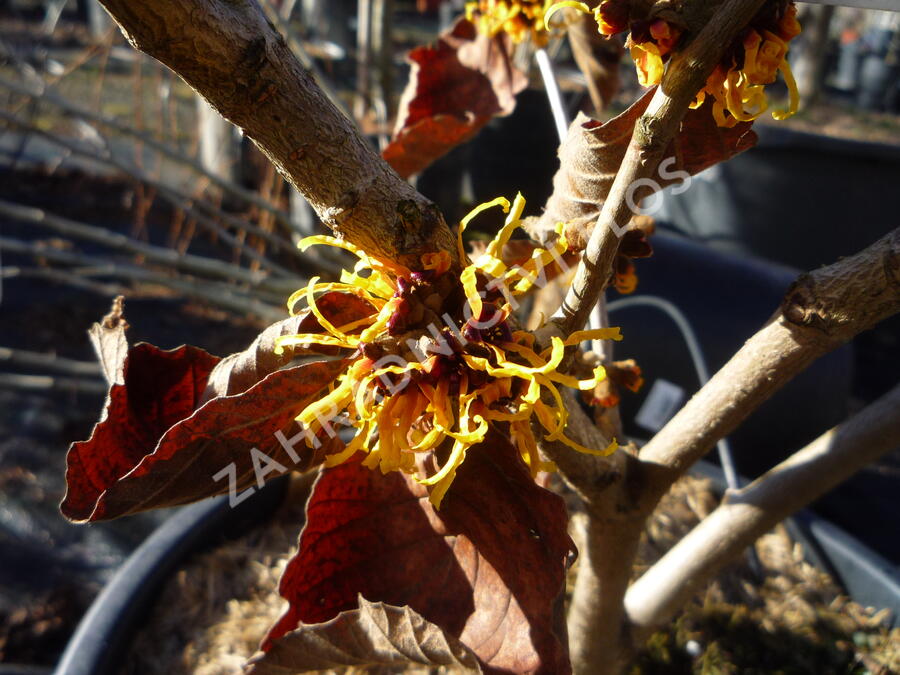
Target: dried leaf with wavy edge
<point x="593" y="151"/>
<point x="177" y="418"/>
<point x="109" y="341"/>
<point x="238" y="372"/>
<point x="227" y="444"/>
<point x="376" y="634"/>
<point x="456" y="86"/>
<point x="160" y="388"/>
<point x="488" y="568"/>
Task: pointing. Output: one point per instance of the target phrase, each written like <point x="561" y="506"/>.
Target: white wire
<point x="597" y="319"/>
<point x="553" y="94"/>
<point x="693" y="344"/>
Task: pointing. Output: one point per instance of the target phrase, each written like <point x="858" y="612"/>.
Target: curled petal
<point x="309" y="338"/>
<point x="499" y="201"/>
<point x="612" y="333"/>
<point x="791" y="83"/>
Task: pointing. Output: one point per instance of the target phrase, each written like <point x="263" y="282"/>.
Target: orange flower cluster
<point x="439" y="361"/>
<point x="520" y="19"/>
<point x="737" y="86"/>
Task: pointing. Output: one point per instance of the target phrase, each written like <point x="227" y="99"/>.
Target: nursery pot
<point x="113" y="620"/>
<point x="797" y="198"/>
<point x="108" y="627"/>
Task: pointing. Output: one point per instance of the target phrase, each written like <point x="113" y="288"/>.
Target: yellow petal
<point x="378" y="328"/>
<point x="608" y="450"/>
<point x="611" y="333"/>
<point x="495" y="248"/>
<point x="565" y="3"/>
<point x="792" y="90"/>
<point x="470" y="286"/>
<point x="309" y="338"/>
<point x="499" y="201"/>
<point x="325" y="323"/>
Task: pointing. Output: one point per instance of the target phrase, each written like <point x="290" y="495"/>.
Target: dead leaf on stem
<point x="593" y="151"/>
<point x="456" y="86"/>
<point x="180" y="417"/>
<point x="376" y="634"/>
<point x="238" y="372"/>
<point x="488" y="568"/>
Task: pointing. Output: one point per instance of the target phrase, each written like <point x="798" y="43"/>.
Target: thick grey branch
<point x="232" y="55"/>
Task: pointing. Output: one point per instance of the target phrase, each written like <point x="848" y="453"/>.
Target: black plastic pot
<point x="797" y="198"/>
<point x="109" y="626"/>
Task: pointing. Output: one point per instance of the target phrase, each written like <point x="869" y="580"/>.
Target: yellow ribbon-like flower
<point x="520" y="19"/>
<point x="738" y="91"/>
<point x="439" y="362"/>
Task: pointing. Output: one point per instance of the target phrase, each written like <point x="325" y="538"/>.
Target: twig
<point x="821" y="311"/>
<point x="685" y="75"/>
<point x="748" y="513"/>
<point x="49" y="383"/>
<point x="157" y="254"/>
<point x="596" y="628"/>
<point x="211" y="292"/>
<point x="247" y="196"/>
<point x="231" y="54"/>
<point x="49" y="362"/>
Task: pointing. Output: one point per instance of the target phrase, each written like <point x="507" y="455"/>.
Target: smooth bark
<point x="748" y="513"/>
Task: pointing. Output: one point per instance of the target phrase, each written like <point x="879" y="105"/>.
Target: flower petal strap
<point x="791" y="83"/>
<point x="499" y="201"/>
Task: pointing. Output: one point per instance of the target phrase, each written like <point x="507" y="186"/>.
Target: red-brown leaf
<point x="593" y="151"/>
<point x="154" y="448"/>
<point x="123" y="470"/>
<point x="160" y="389"/>
<point x="238" y="372"/>
<point x="456" y="86"/>
<point x="488" y="568"/>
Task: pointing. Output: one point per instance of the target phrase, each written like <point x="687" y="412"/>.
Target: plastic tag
<point x="659" y="406"/>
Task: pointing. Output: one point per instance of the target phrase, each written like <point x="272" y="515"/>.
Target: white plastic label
<point x="659" y="406"/>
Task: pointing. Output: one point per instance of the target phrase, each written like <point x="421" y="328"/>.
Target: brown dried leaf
<point x="376" y="634"/>
<point x="456" y="86"/>
<point x="175" y="419"/>
<point x="238" y="372"/>
<point x="110" y="343"/>
<point x="593" y="152"/>
<point x="488" y="567"/>
<point x="154" y="450"/>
